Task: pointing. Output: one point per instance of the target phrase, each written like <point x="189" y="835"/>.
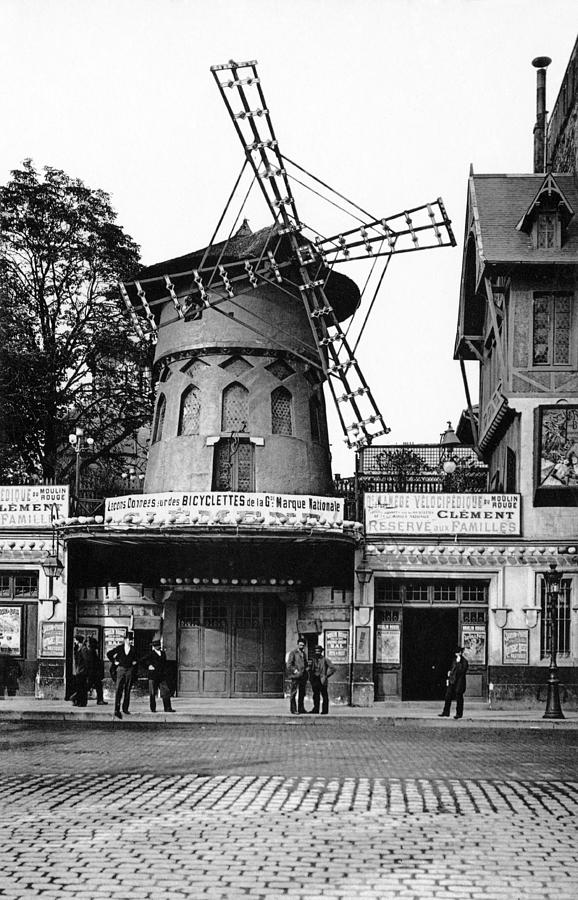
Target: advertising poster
<point x="113" y="637"/>
<point x="337" y="646"/>
<point x="86" y="631"/>
<point x="225" y="508"/>
<point x="35" y="504"/>
<point x="362" y="645"/>
<point x="474" y="644"/>
<point x="516" y="649"/>
<point x="431" y="514"/>
<point x="52" y="639"/>
<point x="11" y="630"/>
<point x="388" y="643"/>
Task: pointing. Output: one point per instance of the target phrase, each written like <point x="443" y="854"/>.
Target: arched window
<point x="235" y="411"/>
<point x="190" y="414"/>
<point x="159" y="418"/>
<point x="281" y="411"/>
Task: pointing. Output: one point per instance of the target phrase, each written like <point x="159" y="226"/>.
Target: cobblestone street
<point x="268" y="812"/>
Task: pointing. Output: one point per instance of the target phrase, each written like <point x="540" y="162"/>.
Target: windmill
<point x="290" y="256"/>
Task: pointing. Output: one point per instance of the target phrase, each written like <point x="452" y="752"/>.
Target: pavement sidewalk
<point x="276" y="712"/>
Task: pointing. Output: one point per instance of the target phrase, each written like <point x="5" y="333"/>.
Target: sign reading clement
<point x="35" y="504"/>
<point x="225" y="508"/>
<point x="427" y="514"/>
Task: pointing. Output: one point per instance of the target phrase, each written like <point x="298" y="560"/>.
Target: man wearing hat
<point x="297" y="667"/>
<point x="320" y="671"/>
<point x="124" y="658"/>
<point x="156" y="666"/>
<point x="456" y="685"/>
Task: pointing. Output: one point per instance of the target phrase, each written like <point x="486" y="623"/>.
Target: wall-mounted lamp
<point x="531" y="613"/>
<point x="501" y="615"/>
<point x="363" y="573"/>
<point x="52" y="565"/>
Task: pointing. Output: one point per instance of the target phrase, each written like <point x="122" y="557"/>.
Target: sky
<point x="388" y="101"/>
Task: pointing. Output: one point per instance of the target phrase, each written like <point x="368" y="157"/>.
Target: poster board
<point x="515" y="646"/>
<point x="337" y="645"/>
<point x="86" y="631"/>
<point x="52" y="639"/>
<point x="362" y="643"/>
<point x="112" y="637"/>
<point x="388" y="643"/>
<point x="11" y="630"/>
<point x="474" y="644"/>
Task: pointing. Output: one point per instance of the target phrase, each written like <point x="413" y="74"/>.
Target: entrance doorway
<point x="430" y="637"/>
<point x="231" y="645"/>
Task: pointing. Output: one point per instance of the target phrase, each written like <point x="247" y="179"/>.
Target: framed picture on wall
<point x="362" y="645"/>
<point x="515" y="646"/>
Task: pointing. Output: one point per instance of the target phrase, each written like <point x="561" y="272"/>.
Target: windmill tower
<point x="249" y="330"/>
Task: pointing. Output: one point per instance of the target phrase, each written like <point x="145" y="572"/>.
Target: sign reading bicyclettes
<point x="428" y="514"/>
<point x="224" y="508"/>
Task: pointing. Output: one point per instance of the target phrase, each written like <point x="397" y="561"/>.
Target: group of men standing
<point x="317" y="670"/>
<point x="89" y="672"/>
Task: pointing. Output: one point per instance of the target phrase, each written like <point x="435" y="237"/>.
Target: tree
<point x="67" y="358"/>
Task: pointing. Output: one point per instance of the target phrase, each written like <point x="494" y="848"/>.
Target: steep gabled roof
<point x="549" y="193"/>
<point x="502" y="201"/>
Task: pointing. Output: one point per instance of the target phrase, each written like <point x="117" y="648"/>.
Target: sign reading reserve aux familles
<point x="26" y="505"/>
<point x="224" y="508"/>
<point x="429" y="514"/>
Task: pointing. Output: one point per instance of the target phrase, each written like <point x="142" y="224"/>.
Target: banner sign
<point x="22" y="506"/>
<point x="225" y="508"/>
<point x="429" y="514"/>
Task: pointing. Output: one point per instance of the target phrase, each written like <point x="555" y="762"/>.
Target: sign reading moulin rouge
<point x="34" y="504"/>
<point x="427" y="514"/>
<point x="225" y="508"/>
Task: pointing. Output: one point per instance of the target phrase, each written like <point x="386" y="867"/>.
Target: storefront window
<point x="563" y="620"/>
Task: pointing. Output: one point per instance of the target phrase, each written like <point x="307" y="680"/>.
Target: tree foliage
<point x="67" y="358"/>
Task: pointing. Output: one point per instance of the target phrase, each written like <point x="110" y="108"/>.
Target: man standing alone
<point x="456" y="685"/>
<point x="297" y="666"/>
<point x="156" y="666"/>
<point x="320" y="671"/>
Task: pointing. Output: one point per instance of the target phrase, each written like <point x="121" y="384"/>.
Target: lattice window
<point x="387" y="591"/>
<point x="235" y="413"/>
<point x="551" y="329"/>
<point x="546" y="231"/>
<point x="215" y="614"/>
<point x="387" y="615"/>
<point x="190" y="413"/>
<point x="563" y="617"/>
<point x="280" y="369"/>
<point x="247" y="613"/>
<point x="236" y="366"/>
<point x="416" y="592"/>
<point x="159" y="418"/>
<point x="281" y="412"/>
<point x="474" y="592"/>
<point x="233" y="466"/>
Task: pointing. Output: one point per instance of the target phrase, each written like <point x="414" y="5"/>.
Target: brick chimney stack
<point x="541" y="63"/>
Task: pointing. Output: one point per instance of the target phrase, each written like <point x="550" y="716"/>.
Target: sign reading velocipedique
<point x="434" y="514"/>
<point x="23" y="505"/>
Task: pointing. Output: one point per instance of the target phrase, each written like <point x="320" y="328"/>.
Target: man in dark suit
<point x="81" y="660"/>
<point x="456" y="685"/>
<point x="320" y="671"/>
<point x="156" y="666"/>
<point x="297" y="666"/>
<point x="124" y="658"/>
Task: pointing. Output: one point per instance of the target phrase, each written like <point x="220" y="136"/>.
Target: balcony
<point x="412" y="469"/>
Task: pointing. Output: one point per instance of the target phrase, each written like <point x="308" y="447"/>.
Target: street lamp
<point x="79" y="443"/>
<point x="552" y="581"/>
<point x="52" y="565"/>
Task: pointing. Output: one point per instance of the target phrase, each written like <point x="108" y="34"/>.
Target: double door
<point x="231" y="645"/>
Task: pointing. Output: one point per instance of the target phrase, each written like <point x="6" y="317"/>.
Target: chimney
<point x="541" y="63"/>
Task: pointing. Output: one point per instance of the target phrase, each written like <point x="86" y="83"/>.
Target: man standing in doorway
<point x="81" y="662"/>
<point x="320" y="671"/>
<point x="456" y="685"/>
<point x="124" y="658"/>
<point x="297" y="666"/>
<point x="156" y="666"/>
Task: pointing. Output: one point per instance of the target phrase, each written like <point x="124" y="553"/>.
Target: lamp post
<point x="552" y="581"/>
<point x="79" y="443"/>
<point x="52" y="566"/>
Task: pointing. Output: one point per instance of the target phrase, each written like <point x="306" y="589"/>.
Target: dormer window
<point x="546" y="231"/>
<point x="547" y="216"/>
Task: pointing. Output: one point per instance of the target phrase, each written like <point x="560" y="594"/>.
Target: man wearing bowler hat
<point x="456" y="685"/>
<point x="156" y="666"/>
<point x="297" y="668"/>
<point x="124" y="658"/>
<point x="320" y="671"/>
